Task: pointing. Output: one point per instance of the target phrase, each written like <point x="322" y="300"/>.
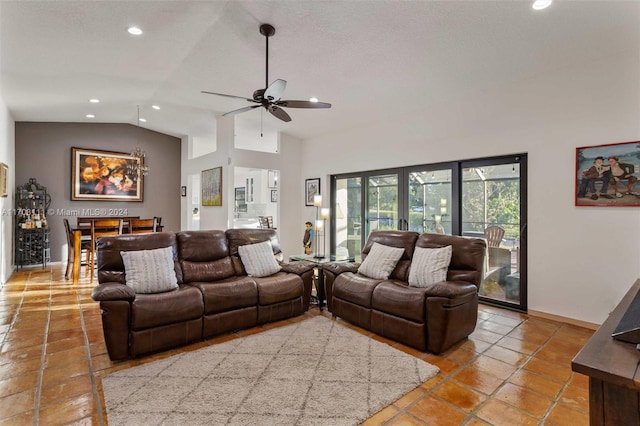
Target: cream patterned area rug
<point x="314" y="372"/>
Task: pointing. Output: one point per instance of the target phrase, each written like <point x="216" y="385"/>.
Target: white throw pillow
<point x="380" y="261"/>
<point x="258" y="259"/>
<point x="150" y="271"/>
<point x="429" y="266"/>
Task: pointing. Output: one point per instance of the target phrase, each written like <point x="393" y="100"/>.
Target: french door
<point x="470" y="198"/>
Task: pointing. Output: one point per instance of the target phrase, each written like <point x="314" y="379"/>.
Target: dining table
<point x="83" y="228"/>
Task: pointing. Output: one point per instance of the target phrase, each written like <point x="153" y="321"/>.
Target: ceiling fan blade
<point x="227" y="96"/>
<point x="303" y="104"/>
<point x="238" y="111"/>
<point x="275" y="90"/>
<point x="279" y="113"/>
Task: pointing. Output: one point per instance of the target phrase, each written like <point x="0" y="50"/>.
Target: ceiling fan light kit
<point x="270" y="97"/>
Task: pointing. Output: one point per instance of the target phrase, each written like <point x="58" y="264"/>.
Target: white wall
<point x="7" y="156"/>
<point x="581" y="260"/>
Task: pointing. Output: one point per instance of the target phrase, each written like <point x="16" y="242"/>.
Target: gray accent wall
<point x="43" y="152"/>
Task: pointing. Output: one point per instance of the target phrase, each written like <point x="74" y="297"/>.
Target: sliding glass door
<point x="383" y="202"/>
<point x="346" y="229"/>
<point x="430" y="200"/>
<point x="480" y="198"/>
<point x="493" y="207"/>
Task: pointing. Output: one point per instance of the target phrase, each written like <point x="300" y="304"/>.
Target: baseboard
<point x="572" y="321"/>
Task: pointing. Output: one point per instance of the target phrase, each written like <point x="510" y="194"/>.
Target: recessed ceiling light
<point x="94" y="101"/>
<point x="155" y="107"/>
<point x="134" y="31"/>
<point x="313" y="99"/>
<point x="541" y="4"/>
<point x="90" y="116"/>
<point x="144" y="120"/>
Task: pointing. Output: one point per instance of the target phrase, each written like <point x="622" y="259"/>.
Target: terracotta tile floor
<point x="513" y="370"/>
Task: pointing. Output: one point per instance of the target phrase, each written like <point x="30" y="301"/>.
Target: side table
<point x="612" y="368"/>
<point x="319" y="275"/>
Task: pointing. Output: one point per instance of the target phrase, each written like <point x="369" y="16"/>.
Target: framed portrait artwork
<point x="212" y="187"/>
<point x="607" y="175"/>
<point x="105" y="176"/>
<point x="274" y="195"/>
<point x="311" y="188"/>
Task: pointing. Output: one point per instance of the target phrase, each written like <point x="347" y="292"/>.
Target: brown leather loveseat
<point x="431" y="318"/>
<point x="214" y="294"/>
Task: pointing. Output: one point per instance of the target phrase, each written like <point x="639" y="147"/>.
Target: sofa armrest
<point x="450" y="289"/>
<point x="331" y="270"/>
<point x="298" y="267"/>
<point x="112" y="291"/>
<point x="337" y="268"/>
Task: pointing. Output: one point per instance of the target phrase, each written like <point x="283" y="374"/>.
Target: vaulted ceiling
<point x="373" y="60"/>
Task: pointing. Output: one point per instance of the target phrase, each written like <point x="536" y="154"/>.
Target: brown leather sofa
<point x="214" y="293"/>
<point x="429" y="319"/>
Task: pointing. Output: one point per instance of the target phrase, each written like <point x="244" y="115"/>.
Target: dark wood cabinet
<point x="612" y="368"/>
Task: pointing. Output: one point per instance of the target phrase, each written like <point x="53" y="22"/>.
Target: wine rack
<point x="32" y="228"/>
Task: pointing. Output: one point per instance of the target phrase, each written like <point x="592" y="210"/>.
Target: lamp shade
<point x="317" y="200"/>
<point x="319" y="225"/>
<point x="324" y="213"/>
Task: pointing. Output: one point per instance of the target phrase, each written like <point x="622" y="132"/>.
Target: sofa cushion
<point x="429" y="266"/>
<point x="150" y="271"/>
<point x="398" y="299"/>
<point x="380" y="261"/>
<point x="279" y="287"/>
<point x="154" y="310"/>
<point x="258" y="259"/>
<point x="204" y="256"/>
<point x="355" y="288"/>
<point x="228" y="294"/>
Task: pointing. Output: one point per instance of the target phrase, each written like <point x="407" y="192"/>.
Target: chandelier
<point x="138" y="167"/>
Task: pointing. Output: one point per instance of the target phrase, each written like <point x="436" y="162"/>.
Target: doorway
<point x="255" y="193"/>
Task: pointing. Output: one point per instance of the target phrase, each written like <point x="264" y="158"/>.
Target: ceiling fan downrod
<point x="267" y="31"/>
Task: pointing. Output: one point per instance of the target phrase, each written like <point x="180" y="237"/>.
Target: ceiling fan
<point x="270" y="98"/>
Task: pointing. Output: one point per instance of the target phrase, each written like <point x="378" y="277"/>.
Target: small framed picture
<point x="4" y="172"/>
<point x="183" y="191"/>
<point x="272" y="179"/>
<point x="274" y="195"/>
<point x="212" y="187"/>
<point x="312" y="188"/>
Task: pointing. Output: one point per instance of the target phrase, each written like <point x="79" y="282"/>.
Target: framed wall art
<point x="272" y="178"/>
<point x="311" y="188"/>
<point x="105" y="176"/>
<point x="212" y="187"/>
<point x="274" y="195"/>
<point x="4" y="172"/>
<point x="607" y="175"/>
